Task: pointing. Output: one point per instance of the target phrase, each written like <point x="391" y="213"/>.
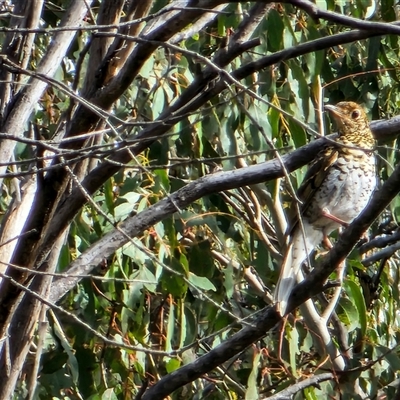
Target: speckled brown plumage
<point x="336" y="188"/>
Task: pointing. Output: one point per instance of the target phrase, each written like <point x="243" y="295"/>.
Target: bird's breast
<point x="345" y="191"/>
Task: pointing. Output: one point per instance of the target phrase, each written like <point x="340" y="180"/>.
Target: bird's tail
<point x="296" y="252"/>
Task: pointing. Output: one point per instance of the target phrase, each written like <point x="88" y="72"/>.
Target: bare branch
<point x="180" y="199"/>
<point x="109" y="14"/>
<point x="287" y="393"/>
<point x="269" y="317"/>
<point x="356" y="23"/>
<point x="29" y="96"/>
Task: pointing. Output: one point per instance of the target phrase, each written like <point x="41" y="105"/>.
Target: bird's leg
<point x="325" y="213"/>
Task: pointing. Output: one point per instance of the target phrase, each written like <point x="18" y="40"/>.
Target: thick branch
<point x="182" y="198"/>
<point x="109" y="13"/>
<point x="302" y="292"/>
<point x="213" y="183"/>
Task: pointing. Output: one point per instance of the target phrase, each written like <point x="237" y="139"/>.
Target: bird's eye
<point x="355" y="114"/>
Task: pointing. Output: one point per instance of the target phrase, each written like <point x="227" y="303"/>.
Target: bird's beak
<point x="336" y="114"/>
<point x="333" y="109"/>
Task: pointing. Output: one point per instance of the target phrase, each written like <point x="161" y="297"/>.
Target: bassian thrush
<point x="336" y="188"/>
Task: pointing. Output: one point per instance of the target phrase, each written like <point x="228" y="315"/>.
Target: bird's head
<point x="352" y="123"/>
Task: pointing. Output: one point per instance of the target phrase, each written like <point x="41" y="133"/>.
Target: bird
<point x="335" y="189"/>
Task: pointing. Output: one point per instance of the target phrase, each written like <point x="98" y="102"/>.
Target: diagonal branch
<point x="297" y="387"/>
<point x="302" y="292"/>
<point x="355" y="23"/>
<point x="213" y="183"/>
<point x="183" y="197"/>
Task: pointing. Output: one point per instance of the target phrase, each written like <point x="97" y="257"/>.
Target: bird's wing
<point x="315" y="176"/>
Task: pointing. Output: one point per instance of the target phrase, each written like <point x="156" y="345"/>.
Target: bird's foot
<point x="327" y="243"/>
<point x="364" y="237"/>
<point x="332" y="283"/>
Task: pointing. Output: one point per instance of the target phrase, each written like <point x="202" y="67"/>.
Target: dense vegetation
<point x="149" y="153"/>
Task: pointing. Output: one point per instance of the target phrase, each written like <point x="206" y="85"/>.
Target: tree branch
<point x="287" y="393"/>
<point x="213" y="183"/>
<point x="313" y="285"/>
<point x="30" y="95"/>
<point x="356" y="23"/>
